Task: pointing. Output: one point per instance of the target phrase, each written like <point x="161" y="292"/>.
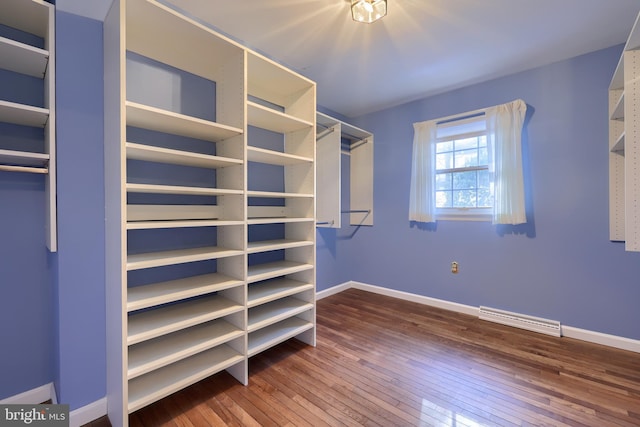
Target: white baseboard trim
<point x="37" y="395"/>
<point x="88" y="413"/>
<point x="567" y="331"/>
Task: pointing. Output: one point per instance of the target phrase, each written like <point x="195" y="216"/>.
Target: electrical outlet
<point x="454" y="267"/>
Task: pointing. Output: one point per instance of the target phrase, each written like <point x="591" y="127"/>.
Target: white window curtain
<point x="504" y="126"/>
<point x="422" y="200"/>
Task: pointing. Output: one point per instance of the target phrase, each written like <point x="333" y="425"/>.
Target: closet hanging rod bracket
<point x="324" y="133"/>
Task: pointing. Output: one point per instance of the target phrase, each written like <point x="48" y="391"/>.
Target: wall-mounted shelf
<point x="36" y="18"/>
<point x="336" y="138"/>
<point x="624" y="145"/>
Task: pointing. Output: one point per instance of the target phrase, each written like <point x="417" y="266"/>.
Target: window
<point x="463" y="183"/>
<point x="469" y="167"/>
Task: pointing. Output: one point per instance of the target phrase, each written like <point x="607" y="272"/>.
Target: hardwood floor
<point x="380" y="361"/>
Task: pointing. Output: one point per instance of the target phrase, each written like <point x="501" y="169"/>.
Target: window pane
<point x="443" y="181"/>
<point x="482" y="141"/>
<point x="483" y="156"/>
<point x="464" y="180"/>
<point x="464" y="199"/>
<point x="484" y="179"/>
<point x="464" y="144"/>
<point x="484" y="199"/>
<point x="466" y="158"/>
<point x="443" y="199"/>
<point x="444" y="161"/>
<point x="444" y="146"/>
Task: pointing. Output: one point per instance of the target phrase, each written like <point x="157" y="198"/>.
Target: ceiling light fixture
<point x="368" y="11"/>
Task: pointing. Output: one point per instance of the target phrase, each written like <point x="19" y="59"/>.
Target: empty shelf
<point x="23" y="58"/>
<point x="154" y="323"/>
<point x="265" y="338"/>
<point x="271" y="270"/>
<point x="276" y="220"/>
<point x="175" y="189"/>
<point x="147" y="117"/>
<point x="277" y="195"/>
<point x="179" y="256"/>
<point x="275" y="311"/>
<point x="161" y="351"/>
<point x="274" y="245"/>
<point x="148" y="225"/>
<point x="21" y="114"/>
<point x="618" y="111"/>
<point x="23" y="158"/>
<point x="270" y="119"/>
<point x="145" y="296"/>
<point x="270" y="290"/>
<point x="619" y="144"/>
<point x="155" y="385"/>
<point x="271" y="157"/>
<point x="177" y="157"/>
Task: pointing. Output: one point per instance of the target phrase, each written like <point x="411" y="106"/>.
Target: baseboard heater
<point x="530" y="323"/>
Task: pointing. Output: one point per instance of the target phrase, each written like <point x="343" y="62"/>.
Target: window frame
<point x="462" y="213"/>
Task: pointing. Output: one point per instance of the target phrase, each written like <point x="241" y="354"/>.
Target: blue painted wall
<point x="561" y="265"/>
<point x="79" y="283"/>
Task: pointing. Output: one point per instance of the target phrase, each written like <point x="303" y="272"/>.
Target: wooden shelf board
<point x="149" y="225"/>
<point x="277" y="195"/>
<point x="179" y="256"/>
<point x="270" y="119"/>
<point x="265" y="338"/>
<point x="154" y="323"/>
<point x="23" y="58"/>
<point x="269" y="77"/>
<point x="177" y="157"/>
<point x="347" y="130"/>
<point x="152" y="118"/>
<point x="155" y="385"/>
<point x="270" y="290"/>
<point x="277" y="220"/>
<point x="274" y="245"/>
<point x="154" y="354"/>
<point x="271" y="270"/>
<point x="28" y="16"/>
<point x="175" y="189"/>
<point x="146" y="296"/>
<point x="23" y="158"/>
<point x="21" y="114"/>
<point x="275" y="311"/>
<point x="271" y="157"/>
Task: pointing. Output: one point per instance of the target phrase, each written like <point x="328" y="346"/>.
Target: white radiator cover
<point x="530" y="323"/>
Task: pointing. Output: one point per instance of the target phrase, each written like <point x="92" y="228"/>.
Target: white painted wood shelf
<point x="178" y="256"/>
<point x="624" y="145"/>
<point x="165" y="334"/>
<point x="269" y="336"/>
<point x="145" y="296"/>
<point x="147" y="117"/>
<point x="270" y="290"/>
<point x="162" y="382"/>
<point x="166" y="349"/>
<point x="37" y="18"/>
<point x="177" y="157"/>
<point x="161" y="321"/>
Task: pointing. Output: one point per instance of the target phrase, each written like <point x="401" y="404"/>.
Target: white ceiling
<point x="422" y="47"/>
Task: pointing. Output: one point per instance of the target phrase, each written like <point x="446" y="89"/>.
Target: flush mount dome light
<point x="368" y="11"/>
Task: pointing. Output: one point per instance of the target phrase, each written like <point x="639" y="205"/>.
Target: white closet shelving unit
<point x="166" y="334"/>
<point x="35" y="18"/>
<point x="624" y="145"/>
<point x="336" y="138"/>
<point x="281" y="291"/>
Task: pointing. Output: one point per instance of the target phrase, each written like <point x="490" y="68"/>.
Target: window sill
<point x="453" y="214"/>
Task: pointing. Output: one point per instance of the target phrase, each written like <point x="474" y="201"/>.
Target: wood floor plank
<point x="382" y="361"/>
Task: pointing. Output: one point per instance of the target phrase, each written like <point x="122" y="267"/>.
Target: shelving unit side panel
<point x="115" y="214"/>
<point x="303" y="104"/>
<point x="230" y="91"/>
<point x="31" y="16"/>
<point x="362" y="183"/>
<point x="50" y="134"/>
<point x="616" y="197"/>
<point x="632" y="150"/>
<point x="328" y="179"/>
